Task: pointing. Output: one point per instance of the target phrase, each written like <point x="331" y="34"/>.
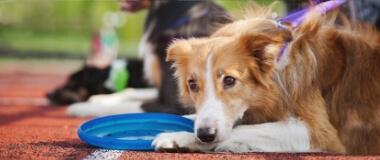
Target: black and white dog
<point x="167" y="20"/>
<point x="91" y="80"/>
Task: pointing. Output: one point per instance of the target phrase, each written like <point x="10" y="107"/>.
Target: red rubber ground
<point x="31" y="129"/>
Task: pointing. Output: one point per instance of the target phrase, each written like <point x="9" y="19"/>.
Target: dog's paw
<point x="85" y="109"/>
<point x="82" y="109"/>
<point x="105" y="99"/>
<point x="174" y="142"/>
<point x="236" y="146"/>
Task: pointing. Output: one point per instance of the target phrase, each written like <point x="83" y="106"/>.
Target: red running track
<point x="31" y="129"/>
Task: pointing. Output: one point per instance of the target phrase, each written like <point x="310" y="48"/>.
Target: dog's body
<point x="166" y="21"/>
<point x="311" y="88"/>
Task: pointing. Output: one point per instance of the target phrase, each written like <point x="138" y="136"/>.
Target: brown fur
<point x="332" y="80"/>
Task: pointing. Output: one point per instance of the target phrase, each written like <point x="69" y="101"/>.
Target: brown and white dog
<point x="321" y="93"/>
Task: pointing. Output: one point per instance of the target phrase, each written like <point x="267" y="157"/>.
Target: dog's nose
<point x="206" y="135"/>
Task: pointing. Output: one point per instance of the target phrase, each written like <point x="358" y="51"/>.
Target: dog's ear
<point x="264" y="49"/>
<point x="179" y="53"/>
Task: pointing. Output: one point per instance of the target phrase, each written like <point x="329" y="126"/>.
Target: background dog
<point x="91" y="80"/>
<point x="166" y="21"/>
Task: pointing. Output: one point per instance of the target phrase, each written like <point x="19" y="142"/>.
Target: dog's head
<point x="81" y="85"/>
<point x="230" y="74"/>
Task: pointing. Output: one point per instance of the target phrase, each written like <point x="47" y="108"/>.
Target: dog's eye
<point x="193" y="85"/>
<point x="228" y="82"/>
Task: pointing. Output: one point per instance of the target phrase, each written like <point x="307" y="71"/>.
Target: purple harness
<point x="296" y="18"/>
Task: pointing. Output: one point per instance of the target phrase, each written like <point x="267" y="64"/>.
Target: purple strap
<point x="296" y="18"/>
<point x="187" y="19"/>
<point x="282" y="51"/>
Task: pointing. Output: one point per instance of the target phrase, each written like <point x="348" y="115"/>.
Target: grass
<point x="78" y="43"/>
<point x="26" y="40"/>
<point x="67" y="43"/>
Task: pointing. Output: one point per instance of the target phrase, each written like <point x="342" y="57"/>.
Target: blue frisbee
<point x="131" y="131"/>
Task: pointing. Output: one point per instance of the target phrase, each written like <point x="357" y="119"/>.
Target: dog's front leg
<point x="179" y="142"/>
<point x="290" y="135"/>
<point x="135" y="94"/>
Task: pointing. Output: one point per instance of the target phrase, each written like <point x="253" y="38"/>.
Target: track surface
<point x="31" y="129"/>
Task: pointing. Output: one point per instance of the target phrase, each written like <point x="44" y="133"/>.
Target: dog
<point x="166" y="20"/>
<point x="259" y="85"/>
<point x="92" y="80"/>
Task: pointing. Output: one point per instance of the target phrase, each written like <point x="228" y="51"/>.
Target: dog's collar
<point x="187" y="19"/>
<point x="296" y="18"/>
<point x="118" y="76"/>
<point x="282" y="51"/>
<point x="286" y="44"/>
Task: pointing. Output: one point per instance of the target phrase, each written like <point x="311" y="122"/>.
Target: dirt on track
<point x="30" y="128"/>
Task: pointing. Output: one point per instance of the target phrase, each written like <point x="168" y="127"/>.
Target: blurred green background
<point x="63" y="28"/>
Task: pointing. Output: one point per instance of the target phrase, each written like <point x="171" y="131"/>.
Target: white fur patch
<point x="211" y="114"/>
<point x="125" y="95"/>
<point x="190" y="116"/>
<point x="291" y="135"/>
<point x="146" y="51"/>
<point x="86" y="109"/>
<point x="144" y="46"/>
<point x="127" y="101"/>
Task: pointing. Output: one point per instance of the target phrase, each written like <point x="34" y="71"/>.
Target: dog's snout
<point x="206" y="135"/>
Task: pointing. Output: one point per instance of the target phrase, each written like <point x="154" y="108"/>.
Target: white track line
<point x="104" y="154"/>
